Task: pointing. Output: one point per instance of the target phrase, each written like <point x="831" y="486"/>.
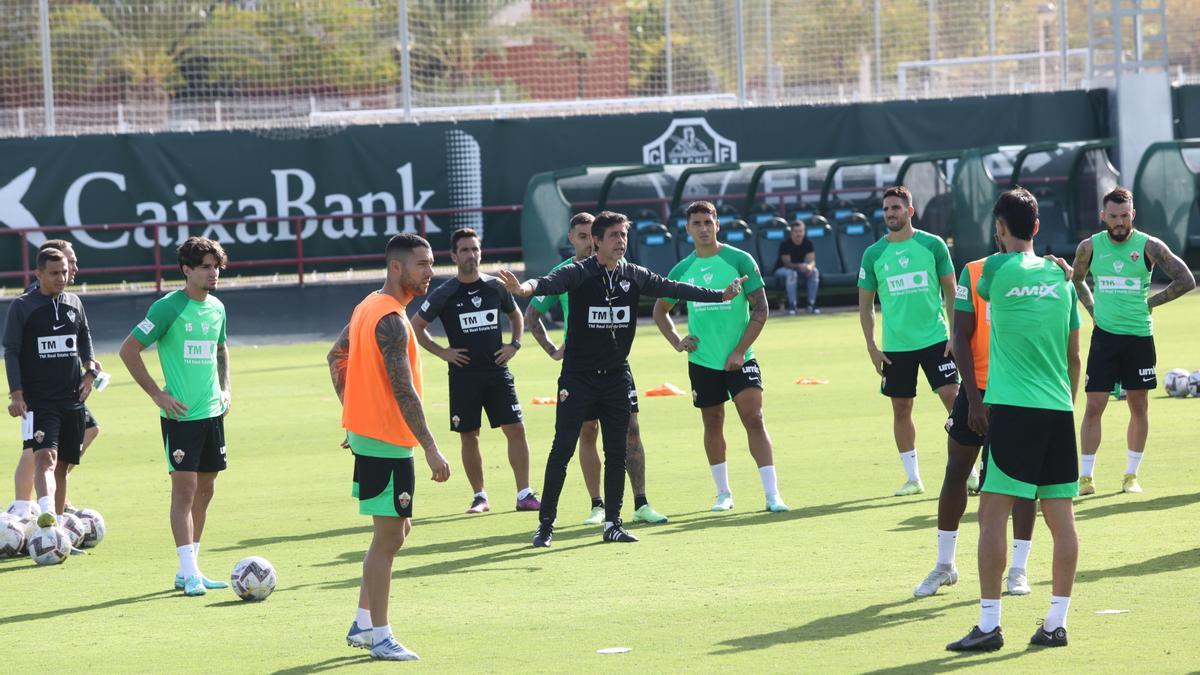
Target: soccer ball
<point x="94" y="525"/>
<point x="1118" y="391"/>
<point x="34" y="510"/>
<point x="1176" y="383"/>
<point x="1193" y="382"/>
<point x="12" y="537"/>
<point x="253" y="578"/>
<point x="74" y="527"/>
<point x="49" y="545"/>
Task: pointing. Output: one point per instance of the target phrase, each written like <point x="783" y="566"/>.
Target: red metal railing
<point x="297" y="225"/>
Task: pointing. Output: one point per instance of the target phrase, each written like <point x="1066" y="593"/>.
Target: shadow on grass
<point x="954" y="661"/>
<point x="1134" y="505"/>
<point x="764" y="517"/>
<point x="870" y="618"/>
<point x="1171" y="562"/>
<point x="107" y="604"/>
<point x="339" y="532"/>
<point x="327" y="664"/>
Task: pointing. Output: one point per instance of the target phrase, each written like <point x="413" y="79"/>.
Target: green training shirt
<point x="1122" y="275"/>
<point x="1033" y="313"/>
<point x="543" y="303"/>
<point x="718" y="325"/>
<point x="187" y="333"/>
<point x="906" y="275"/>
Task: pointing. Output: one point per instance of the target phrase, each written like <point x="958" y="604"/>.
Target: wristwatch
<point x="516" y="344"/>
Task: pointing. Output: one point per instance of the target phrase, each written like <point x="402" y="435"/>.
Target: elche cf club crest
<point x="689" y="140"/>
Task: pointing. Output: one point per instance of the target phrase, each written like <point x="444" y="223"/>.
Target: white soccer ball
<point x="94" y="525"/>
<point x="1193" y="382"/>
<point x="1176" y="383"/>
<point x="12" y="537"/>
<point x="74" y="528"/>
<point x="253" y="578"/>
<point x="34" y="510"/>
<point x="49" y="545"/>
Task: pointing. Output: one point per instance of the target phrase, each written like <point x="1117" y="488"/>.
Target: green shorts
<point x="384" y="479"/>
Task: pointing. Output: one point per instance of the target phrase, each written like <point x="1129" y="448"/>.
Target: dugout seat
<point x="1054" y="231"/>
<point x="769" y="237"/>
<point x="829" y="262"/>
<point x="800" y="211"/>
<point x="643" y="218"/>
<point x="727" y="214"/>
<point x="656" y="249"/>
<point x="738" y="235"/>
<point x="938" y="216"/>
<point x="853" y="238"/>
<point x="762" y="214"/>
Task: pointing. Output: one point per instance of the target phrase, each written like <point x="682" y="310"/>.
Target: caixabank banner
<point x="241" y="177"/>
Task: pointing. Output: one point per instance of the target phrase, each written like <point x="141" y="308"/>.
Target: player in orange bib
<point x="965" y="428"/>
<point x="376" y="370"/>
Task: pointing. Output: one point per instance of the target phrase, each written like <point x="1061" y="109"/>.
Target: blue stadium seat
<point x="738" y="235"/>
<point x="801" y="211"/>
<point x="820" y="233"/>
<point x="656" y="249"/>
<point x="769" y="237"/>
<point x="645" y="217"/>
<point x="762" y="214"/>
<point x="727" y="214"/>
<point x="854" y="236"/>
<point x="1054" y="233"/>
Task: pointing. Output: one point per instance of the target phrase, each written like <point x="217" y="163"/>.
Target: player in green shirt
<point x="189" y="328"/>
<point x="579" y="234"/>
<point x="1033" y="375"/>
<point x="911" y="272"/>
<point x="1122" y="349"/>
<point x="721" y="363"/>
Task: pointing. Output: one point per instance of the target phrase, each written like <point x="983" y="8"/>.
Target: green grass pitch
<point x="824" y="588"/>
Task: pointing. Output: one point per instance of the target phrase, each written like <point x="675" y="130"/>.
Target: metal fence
<point x="307" y="66"/>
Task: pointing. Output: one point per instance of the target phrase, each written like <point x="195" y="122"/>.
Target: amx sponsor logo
<point x="912" y="281"/>
<point x="1042" y="290"/>
<point x="474" y="322"/>
<point x="608" y="317"/>
<point x="689" y="140"/>
<point x="295" y="194"/>
<point x="1118" y="284"/>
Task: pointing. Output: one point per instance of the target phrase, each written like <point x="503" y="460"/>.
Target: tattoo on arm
<point x="392" y="336"/>
<point x="339" y="360"/>
<point x="1083" y="260"/>
<point x="1182" y="280"/>
<point x="759" y="307"/>
<point x="533" y="319"/>
<point x="223" y="366"/>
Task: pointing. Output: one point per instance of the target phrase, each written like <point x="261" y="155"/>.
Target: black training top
<point x="470" y="315"/>
<point x="46" y="342"/>
<point x="602" y="316"/>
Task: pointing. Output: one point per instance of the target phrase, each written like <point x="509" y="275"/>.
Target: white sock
<point x="46" y="504"/>
<point x="22" y="508"/>
<point x="1057" y="616"/>
<point x="989" y="614"/>
<point x="58" y="519"/>
<point x="196" y="555"/>
<point x="720" y="474"/>
<point x="380" y="633"/>
<point x="769" y="481"/>
<point x="363" y="618"/>
<point x="975" y="472"/>
<point x="1021" y="553"/>
<point x="947" y="545"/>
<point x="523" y="493"/>
<point x="607" y="524"/>
<point x="1086" y="463"/>
<point x="1134" y="461"/>
<point x="910" y="464"/>
<point x="481" y="494"/>
<point x="187" y="561"/>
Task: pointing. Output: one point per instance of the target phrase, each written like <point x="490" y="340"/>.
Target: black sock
<point x="639" y="501"/>
<point x="597" y="503"/>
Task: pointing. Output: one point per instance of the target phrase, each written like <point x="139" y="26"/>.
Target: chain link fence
<point x="303" y="66"/>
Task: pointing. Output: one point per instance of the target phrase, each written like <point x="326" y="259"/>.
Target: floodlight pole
<point x="878" y="50"/>
<point x="405" y="63"/>
<point x="47" y="72"/>
<point x="667" y="36"/>
<point x="741" y="52"/>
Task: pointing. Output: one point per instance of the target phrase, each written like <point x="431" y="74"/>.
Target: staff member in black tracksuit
<point x="603" y="293"/>
<point x="47" y="344"/>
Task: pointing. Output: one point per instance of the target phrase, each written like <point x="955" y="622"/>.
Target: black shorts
<point x="714" y="387"/>
<point x="58" y="426"/>
<point x="1128" y="359"/>
<point x="89" y="420"/>
<point x="957" y="426"/>
<point x="194" y="445"/>
<point x="631" y="392"/>
<point x="384" y="486"/>
<point x="494" y="391"/>
<point x="1030" y="453"/>
<point x="900" y="376"/>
